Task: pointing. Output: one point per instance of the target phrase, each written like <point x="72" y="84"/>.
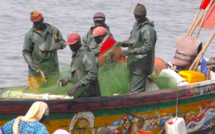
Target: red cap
<point x="99" y="31"/>
<point x="72" y="39"/>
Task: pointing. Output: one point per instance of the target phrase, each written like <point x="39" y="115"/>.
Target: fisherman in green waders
<point x="84" y="70"/>
<point x="141" y="49"/>
<point x="40" y="52"/>
<point x="88" y="41"/>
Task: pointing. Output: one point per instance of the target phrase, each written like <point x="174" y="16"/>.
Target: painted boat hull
<point x="128" y="113"/>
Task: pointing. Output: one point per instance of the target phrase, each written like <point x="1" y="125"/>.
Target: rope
<point x="143" y="119"/>
<point x="25" y="87"/>
<point x="177" y="104"/>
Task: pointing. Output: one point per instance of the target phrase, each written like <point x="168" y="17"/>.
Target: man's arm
<point x="60" y="39"/>
<point x="96" y="51"/>
<point x="27" y="52"/>
<point x="109" y="33"/>
<point x="148" y="40"/>
<point x="84" y="40"/>
<point x="27" y="49"/>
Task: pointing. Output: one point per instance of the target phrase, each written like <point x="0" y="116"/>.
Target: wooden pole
<point x="194" y="27"/>
<point x="197" y="14"/>
<point x="173" y="67"/>
<point x="208" y="7"/>
<point x="208" y="76"/>
<point x="195" y="64"/>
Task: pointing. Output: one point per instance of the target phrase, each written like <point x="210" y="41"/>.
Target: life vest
<point x="115" y="52"/>
<point x="187" y="49"/>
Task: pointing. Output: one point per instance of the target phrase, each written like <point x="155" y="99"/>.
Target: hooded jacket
<point x="141" y="61"/>
<point x="90" y="42"/>
<point x="84" y="72"/>
<point x="38" y="48"/>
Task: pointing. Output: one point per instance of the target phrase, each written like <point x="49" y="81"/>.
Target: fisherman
<point x="31" y="123"/>
<point x="40" y="52"/>
<point x="84" y="70"/>
<point x="99" y="20"/>
<point x="105" y="46"/>
<point x="141" y="49"/>
<point x="187" y="50"/>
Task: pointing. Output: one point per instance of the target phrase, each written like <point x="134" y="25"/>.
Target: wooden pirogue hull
<point x="129" y="113"/>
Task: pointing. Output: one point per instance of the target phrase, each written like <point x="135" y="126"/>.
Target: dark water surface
<point x="172" y="18"/>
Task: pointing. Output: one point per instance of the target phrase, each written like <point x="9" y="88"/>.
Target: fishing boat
<point x="127" y="113"/>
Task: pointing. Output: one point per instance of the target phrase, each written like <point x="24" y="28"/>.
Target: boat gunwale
<point x="104" y="102"/>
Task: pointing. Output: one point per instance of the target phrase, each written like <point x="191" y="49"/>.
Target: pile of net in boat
<point x="113" y="79"/>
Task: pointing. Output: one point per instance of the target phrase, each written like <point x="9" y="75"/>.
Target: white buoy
<point x="175" y="125"/>
<point x="175" y="77"/>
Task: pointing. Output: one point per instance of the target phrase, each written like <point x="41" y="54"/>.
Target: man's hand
<point x="72" y="90"/>
<point x="124" y="44"/>
<point x="63" y="82"/>
<point x="130" y="44"/>
<point x="118" y="44"/>
<point x="56" y="46"/>
<point x="125" y="52"/>
<point x="34" y="66"/>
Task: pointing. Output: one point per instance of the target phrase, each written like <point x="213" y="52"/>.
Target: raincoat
<point x="38" y="48"/>
<point x="141" y="61"/>
<point x="84" y="72"/>
<point x="90" y="42"/>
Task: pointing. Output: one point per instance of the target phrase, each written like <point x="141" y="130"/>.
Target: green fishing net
<point x="113" y="79"/>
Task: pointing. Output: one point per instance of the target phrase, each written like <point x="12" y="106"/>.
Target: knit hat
<point x="99" y="31"/>
<point x="99" y="16"/>
<point x="35" y="16"/>
<point x="140" y="10"/>
<point x="72" y="39"/>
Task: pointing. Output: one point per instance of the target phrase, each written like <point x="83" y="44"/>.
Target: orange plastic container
<point x="192" y="76"/>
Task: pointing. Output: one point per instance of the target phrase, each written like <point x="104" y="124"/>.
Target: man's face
<point x="82" y="126"/>
<point x="99" y="22"/>
<point x="139" y="19"/>
<point x="99" y="39"/>
<point x="38" y="25"/>
<point x="75" y="47"/>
